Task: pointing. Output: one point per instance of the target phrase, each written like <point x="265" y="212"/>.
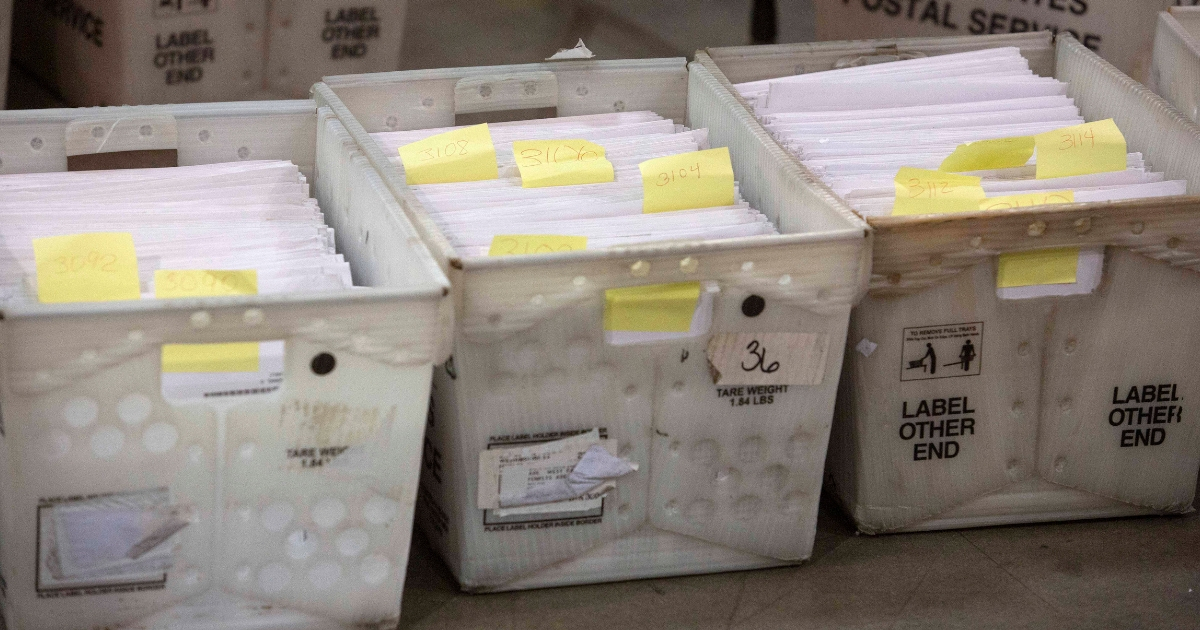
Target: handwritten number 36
<point x="759" y="353"/>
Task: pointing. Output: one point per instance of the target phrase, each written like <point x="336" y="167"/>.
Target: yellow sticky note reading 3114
<point x="98" y="267"/>
<point x="700" y="179"/>
<point x="461" y="155"/>
<point x="1095" y="147"/>
<point x="561" y="163"/>
<point x="651" y="308"/>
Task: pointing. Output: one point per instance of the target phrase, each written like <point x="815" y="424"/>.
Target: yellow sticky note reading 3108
<point x="1095" y="147"/>
<point x="700" y="179"/>
<point x="651" y="308"/>
<point x="462" y="155"/>
<point x="561" y="163"/>
<point x="99" y="267"/>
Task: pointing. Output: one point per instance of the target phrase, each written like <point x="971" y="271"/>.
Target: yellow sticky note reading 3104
<point x="210" y="357"/>
<point x="651" y="308"/>
<point x="185" y="283"/>
<point x="1042" y="266"/>
<point x="520" y="244"/>
<point x="920" y="191"/>
<point x="700" y="179"/>
<point x="462" y="155"/>
<point x="1095" y="147"/>
<point x="561" y="163"/>
<point x="99" y="267"/>
<point x="986" y="155"/>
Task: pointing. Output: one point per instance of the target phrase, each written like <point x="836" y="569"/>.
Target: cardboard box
<point x="1120" y="31"/>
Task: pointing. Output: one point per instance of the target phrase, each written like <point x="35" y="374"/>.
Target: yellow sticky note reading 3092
<point x="700" y="179"/>
<point x="98" y="267"/>
<point x="462" y="155"/>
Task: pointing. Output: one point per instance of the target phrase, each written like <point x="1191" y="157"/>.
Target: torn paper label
<point x="332" y="436"/>
<point x="768" y="358"/>
<point x="580" y="51"/>
<point x="549" y="474"/>
<point x="866" y="347"/>
<point x="109" y="540"/>
<point x="206" y="372"/>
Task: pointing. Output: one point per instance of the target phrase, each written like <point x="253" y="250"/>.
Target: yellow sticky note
<point x="210" y="357"/>
<point x="1026" y="200"/>
<point x="919" y="191"/>
<point x="1042" y="266"/>
<point x="652" y="308"/>
<point x="519" y="244"/>
<point x="98" y="267"/>
<point x="561" y="163"/>
<point x="185" y="283"/>
<point x="462" y="155"/>
<point x="985" y="155"/>
<point x="700" y="179"/>
<point x="1095" y="147"/>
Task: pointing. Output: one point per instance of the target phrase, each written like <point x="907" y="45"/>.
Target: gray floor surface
<point x="1138" y="573"/>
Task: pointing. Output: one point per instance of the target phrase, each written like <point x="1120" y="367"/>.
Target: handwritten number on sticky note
<point x="670" y="177"/>
<point x="450" y="150"/>
<point x="93" y="260"/>
<point x="759" y="354"/>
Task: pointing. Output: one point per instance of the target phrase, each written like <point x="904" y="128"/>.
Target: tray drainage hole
<point x="485" y="91"/>
<point x="243" y="152"/>
<point x="323" y="364"/>
<point x="619" y="106"/>
<point x="753" y="306"/>
<point x="36" y="144"/>
<point x="146" y="131"/>
<point x="427" y="102"/>
<point x="1138" y="228"/>
<point x="97" y="132"/>
<point x="391" y="122"/>
<point x="581" y="90"/>
<point x="204" y="135"/>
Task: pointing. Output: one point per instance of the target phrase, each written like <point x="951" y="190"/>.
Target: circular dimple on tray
<point x="107" y="442"/>
<point x="374" y="569"/>
<point x="160" y="437"/>
<point x="324" y="574"/>
<point x="133" y="409"/>
<point x="301" y="544"/>
<point x="380" y="510"/>
<point x="353" y="542"/>
<point x="80" y="411"/>
<point x="277" y="515"/>
<point x="328" y="512"/>
<point x="274" y="577"/>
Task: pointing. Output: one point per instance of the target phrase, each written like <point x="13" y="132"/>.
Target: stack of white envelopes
<point x="612" y="209"/>
<point x="253" y="219"/>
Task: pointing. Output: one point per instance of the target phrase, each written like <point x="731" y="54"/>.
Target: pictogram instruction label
<point x="942" y="351"/>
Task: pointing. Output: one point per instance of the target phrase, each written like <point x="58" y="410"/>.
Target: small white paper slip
<point x="866" y="347"/>
<point x="580" y="51"/>
<point x="768" y="358"/>
<point x="180" y="384"/>
<point x="549" y="473"/>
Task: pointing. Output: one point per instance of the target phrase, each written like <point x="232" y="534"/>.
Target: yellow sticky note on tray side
<point x="1027" y="200"/>
<point x="1042" y="266"/>
<point x="561" y="163"/>
<point x="920" y="191"/>
<point x="986" y="155"/>
<point x="210" y="357"/>
<point x="651" y="308"/>
<point x="97" y="267"/>
<point x="520" y="244"/>
<point x="185" y="283"/>
<point x="461" y="155"/>
<point x="700" y="179"/>
<point x="1095" y="147"/>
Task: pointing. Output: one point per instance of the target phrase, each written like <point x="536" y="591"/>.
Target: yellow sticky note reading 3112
<point x="700" y="179"/>
<point x="920" y="191"/>
<point x="98" y="267"/>
<point x="461" y="155"/>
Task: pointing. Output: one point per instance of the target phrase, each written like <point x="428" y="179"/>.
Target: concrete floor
<point x="1139" y="573"/>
